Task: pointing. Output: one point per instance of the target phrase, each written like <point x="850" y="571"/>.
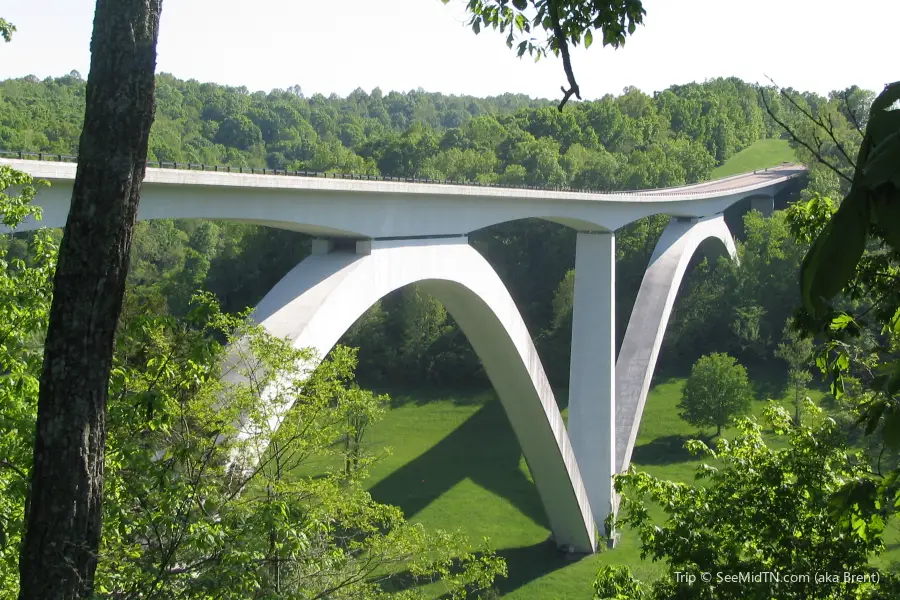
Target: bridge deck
<point x="65" y="171"/>
<point x="383" y="208"/>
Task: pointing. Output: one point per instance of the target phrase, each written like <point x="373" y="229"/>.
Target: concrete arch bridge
<point x="375" y="235"/>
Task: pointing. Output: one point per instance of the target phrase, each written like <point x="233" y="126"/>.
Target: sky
<point x="327" y="46"/>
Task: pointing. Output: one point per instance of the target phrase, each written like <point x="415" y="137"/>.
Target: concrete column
<point x="321" y="246"/>
<point x="764" y="204"/>
<point x="592" y="406"/>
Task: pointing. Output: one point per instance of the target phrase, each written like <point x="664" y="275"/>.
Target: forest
<point x="407" y="341"/>
<point x="630" y="141"/>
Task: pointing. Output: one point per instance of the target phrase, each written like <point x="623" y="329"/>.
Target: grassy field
<point x="759" y="155"/>
<point x="455" y="464"/>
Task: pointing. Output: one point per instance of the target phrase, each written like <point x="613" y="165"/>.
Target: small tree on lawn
<point x="716" y="392"/>
<point x="796" y="351"/>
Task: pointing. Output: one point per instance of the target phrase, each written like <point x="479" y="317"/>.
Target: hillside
<point x="758" y="155"/>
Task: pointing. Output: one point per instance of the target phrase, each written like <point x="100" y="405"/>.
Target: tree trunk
<point x="60" y="548"/>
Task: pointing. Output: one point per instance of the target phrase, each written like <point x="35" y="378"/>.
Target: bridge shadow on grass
<point x="523" y="565"/>
<point x="528" y="563"/>
<point x="483" y="449"/>
<point x="421" y="397"/>
<point x="665" y="450"/>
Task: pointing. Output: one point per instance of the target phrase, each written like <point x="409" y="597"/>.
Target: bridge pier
<point x="764" y="204"/>
<point x="592" y="404"/>
<point x="607" y="394"/>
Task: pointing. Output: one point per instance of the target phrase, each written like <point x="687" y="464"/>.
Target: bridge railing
<point x="189" y="166"/>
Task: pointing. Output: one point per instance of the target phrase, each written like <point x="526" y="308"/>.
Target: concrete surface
<point x="649" y="317"/>
<point x="317" y="301"/>
<point x="379" y="209"/>
<point x="592" y="399"/>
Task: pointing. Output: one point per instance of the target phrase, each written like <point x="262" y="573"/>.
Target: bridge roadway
<point x="416" y="232"/>
<point x="364" y="209"/>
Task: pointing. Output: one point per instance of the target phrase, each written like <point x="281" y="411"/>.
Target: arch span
<point x="317" y="301"/>
<point x="649" y="317"/>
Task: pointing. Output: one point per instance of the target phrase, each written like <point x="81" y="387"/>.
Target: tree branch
<point x="563" y="46"/>
<point x="8" y="465"/>
<point x="829" y="128"/>
<point x="852" y="113"/>
<point x="815" y="152"/>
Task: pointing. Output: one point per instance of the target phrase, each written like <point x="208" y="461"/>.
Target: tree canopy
<point x="716" y="393"/>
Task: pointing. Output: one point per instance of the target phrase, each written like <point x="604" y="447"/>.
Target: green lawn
<point x="455" y="464"/>
<point x="759" y="155"/>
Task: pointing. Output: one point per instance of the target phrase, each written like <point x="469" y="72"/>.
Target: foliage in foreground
<point x="25" y="291"/>
<point x="193" y="523"/>
<point x="760" y="510"/>
<point x="6" y="30"/>
<point x="183" y="517"/>
<point x="850" y="285"/>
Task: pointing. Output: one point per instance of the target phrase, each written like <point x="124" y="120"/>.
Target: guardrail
<point x="45" y="156"/>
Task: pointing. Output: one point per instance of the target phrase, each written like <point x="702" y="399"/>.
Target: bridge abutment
<point x="592" y="406"/>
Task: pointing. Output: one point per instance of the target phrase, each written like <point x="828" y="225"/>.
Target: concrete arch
<point x="649" y="317"/>
<point x="317" y="301"/>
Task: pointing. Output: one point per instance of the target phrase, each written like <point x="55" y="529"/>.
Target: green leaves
<point x="564" y="21"/>
<point x="292" y="521"/>
<point x="874" y="197"/>
<point x="884" y="116"/>
<point x="16" y="209"/>
<point x="6" y="30"/>
<point x="838" y="261"/>
<point x="891" y="428"/>
<point x="882" y="164"/>
<point x="831" y="261"/>
<point x="25" y="292"/>
<point x="617" y="583"/>
<point x="806" y="506"/>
